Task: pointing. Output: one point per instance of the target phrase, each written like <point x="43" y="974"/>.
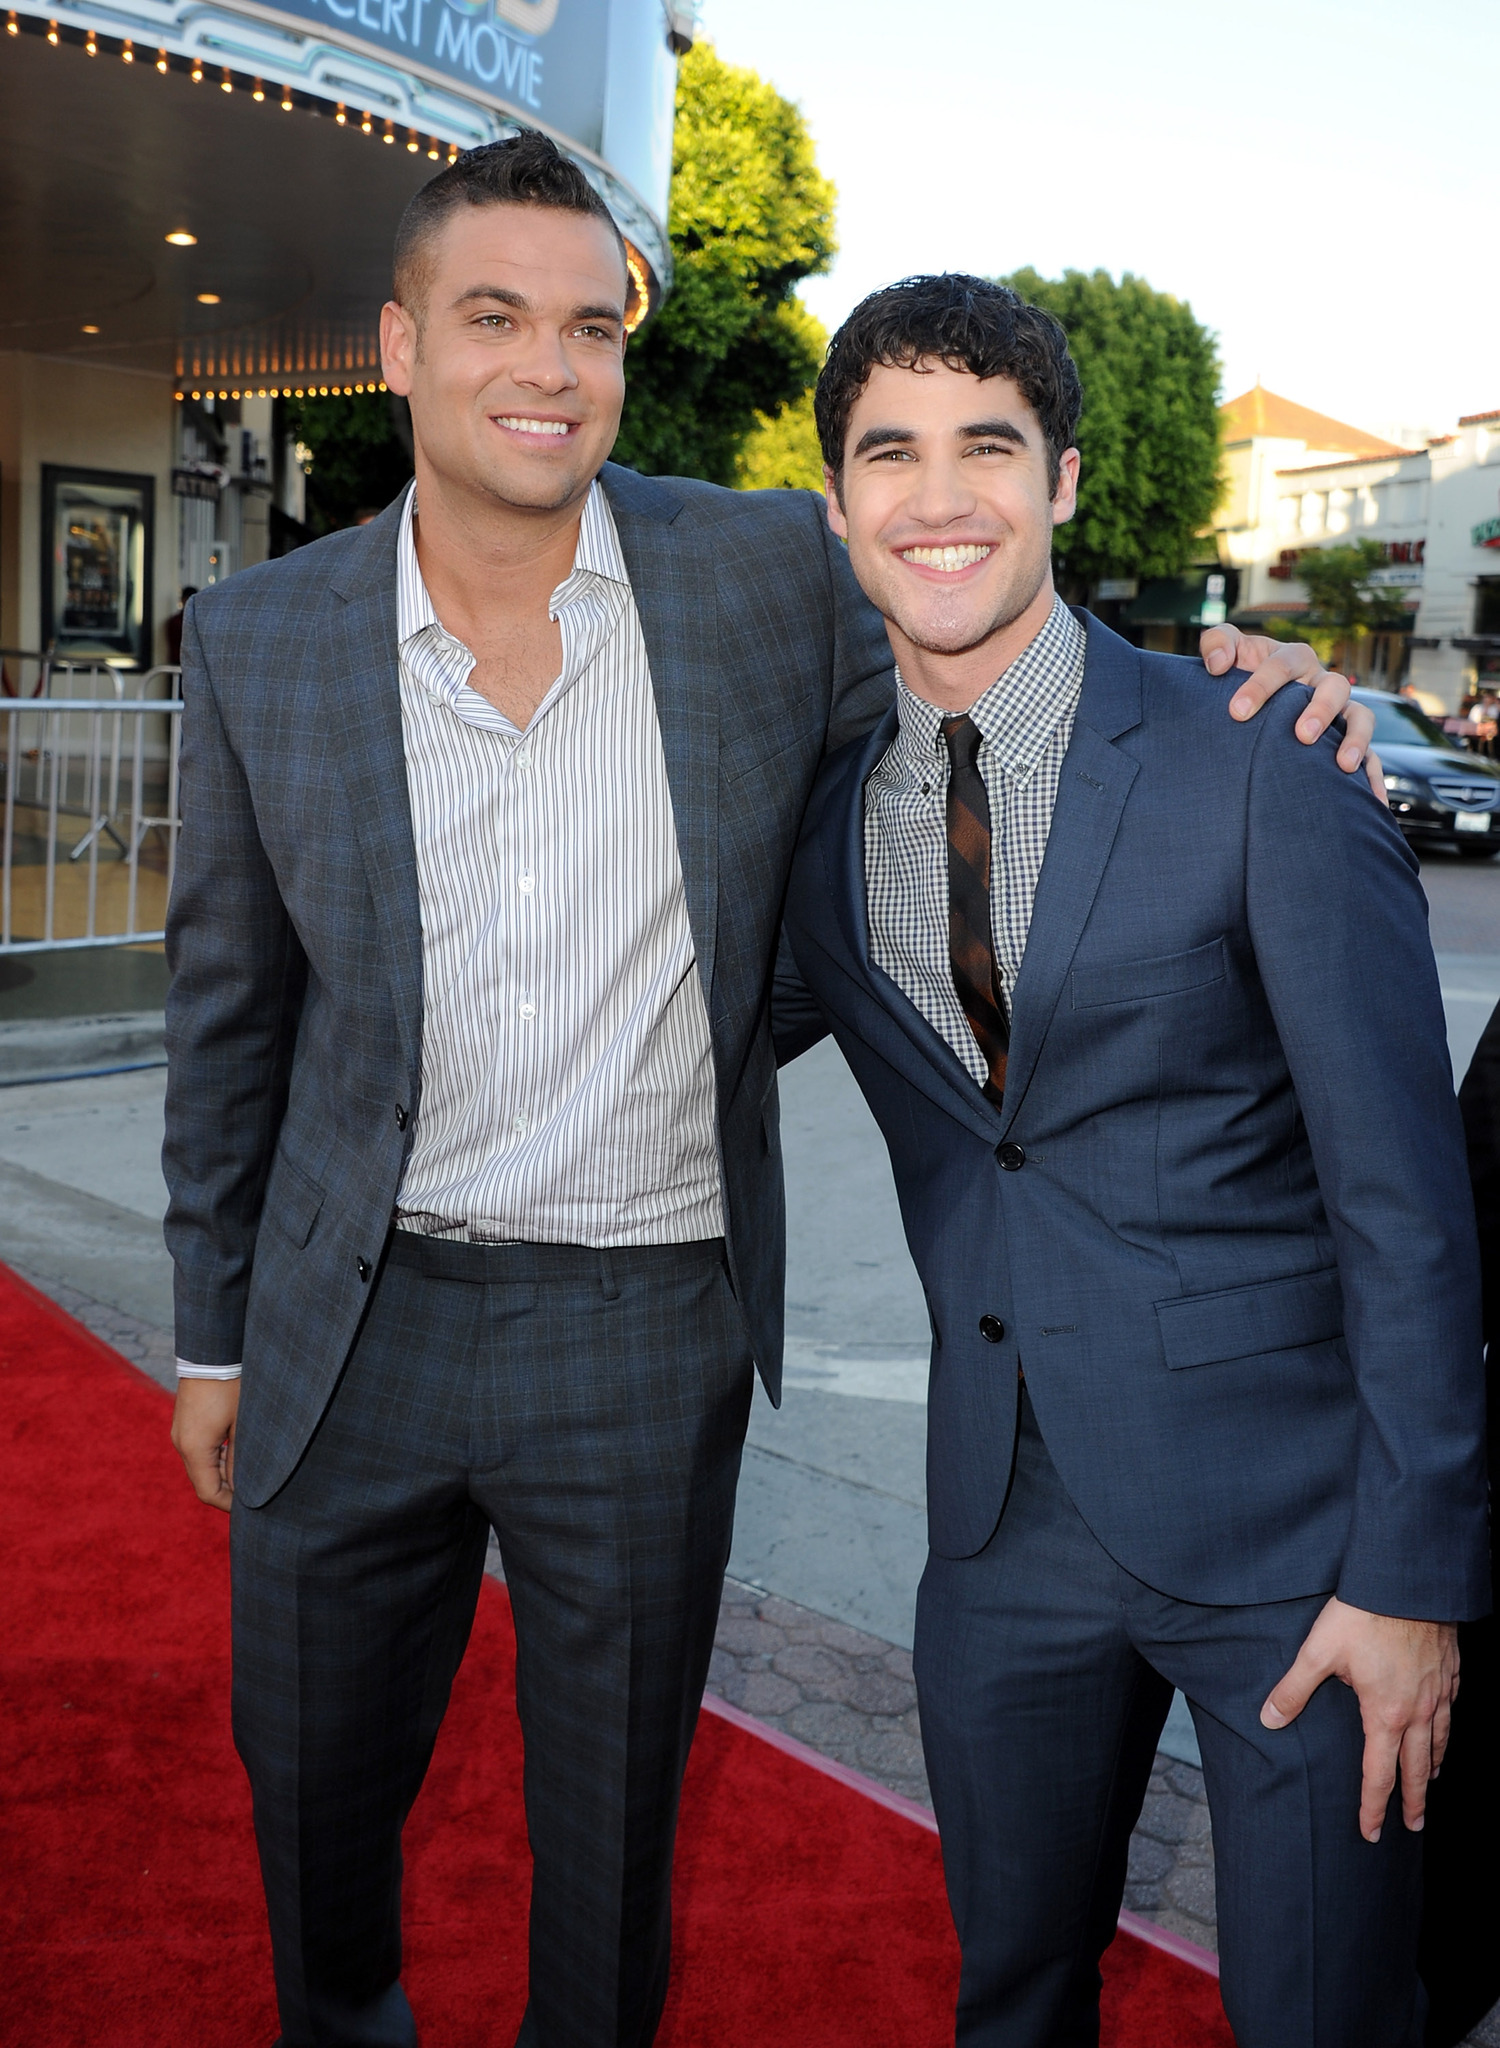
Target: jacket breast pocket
<point x="1138" y="981"/>
<point x="1248" y="1322"/>
<point x="294" y="1201"/>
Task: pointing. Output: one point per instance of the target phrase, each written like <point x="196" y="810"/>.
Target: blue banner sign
<point x="545" y="58"/>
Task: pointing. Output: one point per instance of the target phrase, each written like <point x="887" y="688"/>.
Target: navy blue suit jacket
<point x="1234" y="1247"/>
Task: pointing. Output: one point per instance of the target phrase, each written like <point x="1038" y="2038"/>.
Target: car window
<point x="1400" y="724"/>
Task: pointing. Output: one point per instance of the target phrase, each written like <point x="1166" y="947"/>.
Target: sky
<point x="1316" y="178"/>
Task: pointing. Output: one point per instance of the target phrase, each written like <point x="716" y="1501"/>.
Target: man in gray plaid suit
<point x="471" y="1120"/>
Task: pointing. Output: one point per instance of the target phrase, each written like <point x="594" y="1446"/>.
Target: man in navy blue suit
<point x="1206" y="1402"/>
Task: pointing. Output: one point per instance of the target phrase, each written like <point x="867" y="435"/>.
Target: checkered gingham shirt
<point x="1025" y="722"/>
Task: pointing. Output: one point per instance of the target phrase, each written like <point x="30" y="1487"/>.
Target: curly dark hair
<point x="526" y="169"/>
<point x="969" y="323"/>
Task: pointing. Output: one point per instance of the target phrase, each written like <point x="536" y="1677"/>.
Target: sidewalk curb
<point x="57" y="1048"/>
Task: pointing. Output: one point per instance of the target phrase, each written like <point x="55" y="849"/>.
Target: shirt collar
<point x="1021" y="710"/>
<point x="597" y="554"/>
<point x="588" y="601"/>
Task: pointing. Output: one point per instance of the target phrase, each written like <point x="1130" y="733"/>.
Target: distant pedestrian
<point x="172" y="630"/>
<point x="1460" y="1954"/>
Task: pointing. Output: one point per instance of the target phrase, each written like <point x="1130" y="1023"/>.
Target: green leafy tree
<point x="782" y="452"/>
<point x="751" y="216"/>
<point x="1149" y="437"/>
<point x="1344" y="606"/>
<point x="360" y="450"/>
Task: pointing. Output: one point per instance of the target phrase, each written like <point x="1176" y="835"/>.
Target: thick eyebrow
<point x="883" y="437"/>
<point x="993" y="430"/>
<point x="522" y="304"/>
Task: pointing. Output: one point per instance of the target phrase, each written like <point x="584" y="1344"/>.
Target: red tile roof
<point x="1261" y="413"/>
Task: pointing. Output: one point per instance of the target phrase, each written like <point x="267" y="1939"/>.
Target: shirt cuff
<point x="187" y="1371"/>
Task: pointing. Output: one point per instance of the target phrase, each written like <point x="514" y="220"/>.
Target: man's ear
<point x="836" y="519"/>
<point x="398" y="347"/>
<point x="1065" y="497"/>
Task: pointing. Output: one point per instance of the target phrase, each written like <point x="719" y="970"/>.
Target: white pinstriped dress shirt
<point x="567" y="1070"/>
<point x="1025" y="722"/>
<point x="568" y="1092"/>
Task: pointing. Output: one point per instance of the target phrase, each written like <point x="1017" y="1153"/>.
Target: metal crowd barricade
<point x="88" y="780"/>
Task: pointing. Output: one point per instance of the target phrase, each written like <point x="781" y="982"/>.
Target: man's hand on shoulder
<point x="1406" y="1676"/>
<point x="203" y="1435"/>
<point x="1274" y="662"/>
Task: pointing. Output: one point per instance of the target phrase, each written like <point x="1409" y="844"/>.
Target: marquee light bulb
<point x="181" y="239"/>
<point x="286" y="99"/>
<point x="127" y="54"/>
<point x="161" y="62"/>
<point x="257" y="92"/>
<point x="52" y="33"/>
<point x="226" y="83"/>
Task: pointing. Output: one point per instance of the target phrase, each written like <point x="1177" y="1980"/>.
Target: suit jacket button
<point x="362" y="1267"/>
<point x="401" y="1118"/>
<point x="1011" y="1155"/>
<point x="991" y="1329"/>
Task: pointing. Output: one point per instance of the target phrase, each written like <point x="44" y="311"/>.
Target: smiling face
<point x="946" y="503"/>
<point x="514" y="362"/>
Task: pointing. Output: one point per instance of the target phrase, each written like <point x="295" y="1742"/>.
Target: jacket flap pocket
<point x="293" y="1201"/>
<point x="1135" y="981"/>
<point x="1241" y="1322"/>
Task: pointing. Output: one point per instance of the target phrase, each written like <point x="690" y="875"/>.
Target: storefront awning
<point x="1197" y="598"/>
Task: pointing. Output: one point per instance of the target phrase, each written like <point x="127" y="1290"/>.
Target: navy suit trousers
<point x="1044" y="1673"/>
<point x="590" y="1407"/>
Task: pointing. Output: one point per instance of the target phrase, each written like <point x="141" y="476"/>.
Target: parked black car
<point x="1438" y="793"/>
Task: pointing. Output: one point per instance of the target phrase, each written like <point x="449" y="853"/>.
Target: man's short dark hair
<point x="969" y="323"/>
<point x="527" y="169"/>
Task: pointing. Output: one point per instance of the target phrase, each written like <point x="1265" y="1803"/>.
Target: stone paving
<point x="851" y="1697"/>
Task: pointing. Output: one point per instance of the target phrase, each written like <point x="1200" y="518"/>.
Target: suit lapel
<point x="672" y="576"/>
<point x="361" y="665"/>
<point x="892" y="1023"/>
<point x="1095" y="782"/>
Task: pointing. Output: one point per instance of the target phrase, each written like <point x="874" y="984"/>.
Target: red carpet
<point x="809" y="1915"/>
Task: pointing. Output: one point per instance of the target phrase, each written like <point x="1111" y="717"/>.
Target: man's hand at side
<point x="203" y="1433"/>
<point x="1406" y="1676"/>
<point x="1274" y="662"/>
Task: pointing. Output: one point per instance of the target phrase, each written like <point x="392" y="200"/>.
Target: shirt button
<point x="991" y="1329"/>
<point x="526" y="883"/>
<point x="1011" y="1155"/>
<point x="518" y="1125"/>
<point x="523" y="757"/>
<point x="528" y="1011"/>
<point x="363" y="1268"/>
<point x="401" y="1118"/>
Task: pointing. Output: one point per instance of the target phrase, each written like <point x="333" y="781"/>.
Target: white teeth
<point x="536" y="426"/>
<point x="947" y="558"/>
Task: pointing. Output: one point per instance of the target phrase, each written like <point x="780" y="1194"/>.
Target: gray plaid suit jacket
<point x="294" y="1020"/>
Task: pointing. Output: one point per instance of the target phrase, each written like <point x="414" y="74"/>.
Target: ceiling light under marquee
<point x="181" y="239"/>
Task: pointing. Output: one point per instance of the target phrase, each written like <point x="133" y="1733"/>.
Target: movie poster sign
<point x="548" y="59"/>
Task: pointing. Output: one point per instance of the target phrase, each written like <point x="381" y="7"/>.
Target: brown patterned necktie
<point x="971" y="942"/>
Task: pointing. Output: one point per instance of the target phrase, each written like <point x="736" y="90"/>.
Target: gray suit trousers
<point x="1044" y="1673"/>
<point x="590" y="1407"/>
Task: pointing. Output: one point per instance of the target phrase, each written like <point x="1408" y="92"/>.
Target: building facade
<point x="197" y="203"/>
<point x="1297" y="480"/>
